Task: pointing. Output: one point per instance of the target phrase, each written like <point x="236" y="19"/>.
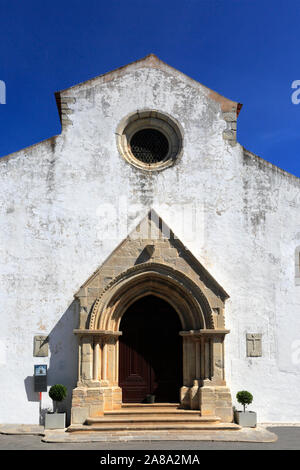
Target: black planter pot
<point x="150" y="398"/>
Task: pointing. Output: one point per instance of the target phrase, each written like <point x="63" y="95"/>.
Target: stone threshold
<point x="258" y="434"/>
<point x="164" y="427"/>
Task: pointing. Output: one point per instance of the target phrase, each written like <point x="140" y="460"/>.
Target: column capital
<point x="100" y="333"/>
<point x="204" y="333"/>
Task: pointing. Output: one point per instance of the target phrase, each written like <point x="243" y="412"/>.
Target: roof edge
<point x="151" y="60"/>
<point x="270" y="165"/>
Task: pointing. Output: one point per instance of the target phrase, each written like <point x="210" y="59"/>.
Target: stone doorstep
<point x="148" y="419"/>
<point x="255" y="435"/>
<point x="151" y="406"/>
<point x="161" y="412"/>
<point x="159" y="426"/>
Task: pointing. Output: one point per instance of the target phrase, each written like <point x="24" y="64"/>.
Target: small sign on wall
<point x="254" y="344"/>
<point x="40" y="378"/>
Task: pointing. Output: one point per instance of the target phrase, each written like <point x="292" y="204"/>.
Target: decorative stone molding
<point x="188" y="300"/>
<point x="200" y="333"/>
<point x="101" y="333"/>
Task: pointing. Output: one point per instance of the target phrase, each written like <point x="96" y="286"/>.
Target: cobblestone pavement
<point x="288" y="439"/>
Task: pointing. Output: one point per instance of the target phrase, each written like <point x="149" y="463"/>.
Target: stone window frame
<point x="150" y="119"/>
<point x="297" y="266"/>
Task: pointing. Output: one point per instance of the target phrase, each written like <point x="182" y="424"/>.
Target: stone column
<point x="196" y="379"/>
<point x="204" y="385"/>
<point x="188" y="369"/>
<point x="214" y="396"/>
<point x="86" y="358"/>
<point x="97" y="388"/>
<point x="96" y="360"/>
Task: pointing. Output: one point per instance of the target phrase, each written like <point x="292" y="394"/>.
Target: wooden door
<point x="150" y="352"/>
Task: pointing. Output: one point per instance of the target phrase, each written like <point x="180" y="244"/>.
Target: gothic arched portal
<point x="152" y="263"/>
<point x="203" y="384"/>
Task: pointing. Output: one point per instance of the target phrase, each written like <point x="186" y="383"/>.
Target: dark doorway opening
<point x="150" y="352"/>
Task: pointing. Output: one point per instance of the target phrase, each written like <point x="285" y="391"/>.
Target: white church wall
<point x="63" y="207"/>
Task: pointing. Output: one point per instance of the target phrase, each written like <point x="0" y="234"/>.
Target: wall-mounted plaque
<point x="40" y="346"/>
<point x="254" y="344"/>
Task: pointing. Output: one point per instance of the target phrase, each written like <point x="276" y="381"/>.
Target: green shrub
<point x="58" y="393"/>
<point x="244" y="398"/>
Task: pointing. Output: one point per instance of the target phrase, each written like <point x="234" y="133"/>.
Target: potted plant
<point x="150" y="398"/>
<point x="245" y="418"/>
<point x="56" y="420"/>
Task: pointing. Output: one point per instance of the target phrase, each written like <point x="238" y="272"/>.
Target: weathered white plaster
<point x="53" y="235"/>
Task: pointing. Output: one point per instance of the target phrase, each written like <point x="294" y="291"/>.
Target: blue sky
<point x="247" y="50"/>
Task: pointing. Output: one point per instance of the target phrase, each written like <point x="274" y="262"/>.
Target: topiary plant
<point x="245" y="398"/>
<point x="57" y="393"/>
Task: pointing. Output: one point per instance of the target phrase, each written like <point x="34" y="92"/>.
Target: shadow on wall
<point x="63" y="364"/>
<point x="63" y="345"/>
<point x="29" y="387"/>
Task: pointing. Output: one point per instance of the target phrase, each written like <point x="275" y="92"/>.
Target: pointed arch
<point x="176" y="288"/>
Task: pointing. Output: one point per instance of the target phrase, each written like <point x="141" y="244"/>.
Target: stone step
<point x="151" y="419"/>
<point x="141" y="427"/>
<point x="158" y="412"/>
<point x="150" y="405"/>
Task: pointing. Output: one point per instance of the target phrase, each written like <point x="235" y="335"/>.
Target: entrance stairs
<point x="152" y="417"/>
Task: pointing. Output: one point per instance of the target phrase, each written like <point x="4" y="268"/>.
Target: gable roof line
<point x="152" y="61"/>
<point x="48" y="140"/>
<point x="269" y="165"/>
<point x="149" y="58"/>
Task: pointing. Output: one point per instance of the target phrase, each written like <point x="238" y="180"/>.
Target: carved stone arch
<point x="176" y="288"/>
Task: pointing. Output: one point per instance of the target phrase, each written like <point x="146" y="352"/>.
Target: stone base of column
<point x="216" y="401"/>
<point x="211" y="400"/>
<point x="185" y="397"/>
<point x="88" y="402"/>
<point x="194" y="395"/>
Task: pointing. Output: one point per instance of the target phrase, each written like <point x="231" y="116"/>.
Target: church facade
<point x="146" y="253"/>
